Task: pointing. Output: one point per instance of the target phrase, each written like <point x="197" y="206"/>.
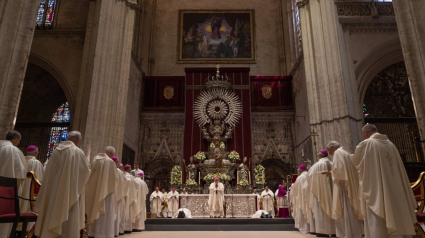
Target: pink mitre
<point x="267" y="186"/>
<point x="127" y="166"/>
<point x="140" y="174"/>
<point x="324" y="152"/>
<point x="114" y="158"/>
<point x="31" y="148"/>
<point x="174" y="187"/>
<point x="215" y="178"/>
<point x="303" y="167"/>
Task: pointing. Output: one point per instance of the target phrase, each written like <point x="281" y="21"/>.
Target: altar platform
<point x="220" y="224"/>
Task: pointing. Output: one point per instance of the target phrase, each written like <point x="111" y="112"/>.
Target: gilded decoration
<point x="266" y="91"/>
<point x="168" y="92"/>
<point x="365" y="9"/>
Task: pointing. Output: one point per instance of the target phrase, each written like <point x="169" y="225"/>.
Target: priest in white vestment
<point x="100" y="197"/>
<point x="282" y="201"/>
<point x="386" y="198"/>
<point x="173" y="202"/>
<point x="35" y="166"/>
<point x="13" y="165"/>
<point x="254" y="191"/>
<point x="299" y="201"/>
<point x="321" y="186"/>
<point x="130" y="200"/>
<point x="267" y="197"/>
<point x="216" y="199"/>
<point x="61" y="200"/>
<point x="156" y="200"/>
<point x="136" y="169"/>
<point x="346" y="204"/>
<point x="142" y="192"/>
<point x="184" y="192"/>
<point x="120" y="193"/>
<point x="164" y="203"/>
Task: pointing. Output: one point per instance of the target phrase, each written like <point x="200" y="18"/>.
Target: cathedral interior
<point x="289" y="75"/>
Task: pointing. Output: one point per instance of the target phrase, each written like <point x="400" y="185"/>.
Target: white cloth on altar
<point x="103" y="227"/>
<point x="216" y="199"/>
<point x="63" y="186"/>
<point x="173" y="203"/>
<point x="267" y="197"/>
<point x="384" y="185"/>
<point x="143" y="191"/>
<point x="156" y="200"/>
<point x="102" y="183"/>
<point x="14" y="165"/>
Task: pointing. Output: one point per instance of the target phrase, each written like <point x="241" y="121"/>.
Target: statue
<point x="243" y="170"/>
<point x="218" y="159"/>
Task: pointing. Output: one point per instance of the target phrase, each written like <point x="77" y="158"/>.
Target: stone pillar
<point x="17" y="24"/>
<point x="411" y="27"/>
<point x="332" y="96"/>
<point x="102" y="96"/>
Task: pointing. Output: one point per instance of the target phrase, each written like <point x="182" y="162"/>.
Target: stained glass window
<point x="58" y="133"/>
<point x="46" y="13"/>
<point x="365" y="112"/>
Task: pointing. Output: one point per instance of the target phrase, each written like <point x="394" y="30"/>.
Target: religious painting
<point x="216" y="36"/>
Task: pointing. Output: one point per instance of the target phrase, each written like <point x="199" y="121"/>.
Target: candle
<point x="189" y="176"/>
<point x="199" y="178"/>
<point x="249" y="175"/>
<point x="181" y="177"/>
<point x="302" y="152"/>
<point x="237" y="179"/>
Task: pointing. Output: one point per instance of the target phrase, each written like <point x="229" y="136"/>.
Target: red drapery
<point x="281" y="92"/>
<point x="241" y="141"/>
<point x="153" y="92"/>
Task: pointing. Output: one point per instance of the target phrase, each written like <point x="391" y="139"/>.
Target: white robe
<point x="216" y="199"/>
<point x="130" y="202"/>
<point x="173" y="203"/>
<point x="13" y="165"/>
<point x="385" y="193"/>
<point x="124" y="201"/>
<point x="346" y="205"/>
<point x="165" y="206"/>
<point x="268" y="201"/>
<point x="120" y="192"/>
<point x="321" y="196"/>
<point x="156" y="200"/>
<point x="300" y="207"/>
<point x="37" y="167"/>
<point x="61" y="201"/>
<point x="282" y="202"/>
<point x="258" y="200"/>
<point x="100" y="186"/>
<point x="142" y="191"/>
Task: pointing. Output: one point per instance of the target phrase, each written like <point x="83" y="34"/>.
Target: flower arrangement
<point x="200" y="156"/>
<point x="259" y="173"/>
<point x="222" y="145"/>
<point x="233" y="156"/>
<point x="222" y="177"/>
<point x="243" y="182"/>
<point x="190" y="182"/>
<point x="176" y="175"/>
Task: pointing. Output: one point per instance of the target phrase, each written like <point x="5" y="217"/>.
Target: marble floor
<point x="217" y="234"/>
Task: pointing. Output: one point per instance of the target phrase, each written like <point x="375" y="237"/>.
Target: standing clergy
<point x="321" y="187"/>
<point x="386" y="199"/>
<point x="156" y="200"/>
<point x="37" y="168"/>
<point x="120" y="193"/>
<point x="173" y="202"/>
<point x="267" y="198"/>
<point x="282" y="200"/>
<point x="142" y="192"/>
<point x="131" y="200"/>
<point x="258" y="199"/>
<point x="60" y="202"/>
<point x="13" y="165"/>
<point x="165" y="203"/>
<point x="100" y="197"/>
<point x="299" y="199"/>
<point x="136" y="169"/>
<point x="346" y="205"/>
<point x="216" y="199"/>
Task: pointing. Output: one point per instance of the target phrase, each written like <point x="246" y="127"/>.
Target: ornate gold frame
<point x="180" y="59"/>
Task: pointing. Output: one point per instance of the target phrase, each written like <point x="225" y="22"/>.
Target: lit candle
<point x="302" y="152"/>
<point x="199" y="178"/>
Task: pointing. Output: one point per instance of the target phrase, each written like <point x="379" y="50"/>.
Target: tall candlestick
<point x="181" y="177"/>
<point x="249" y="176"/>
<point x="189" y="177"/>
<point x="302" y="152"/>
<point x="199" y="179"/>
<point x="237" y="179"/>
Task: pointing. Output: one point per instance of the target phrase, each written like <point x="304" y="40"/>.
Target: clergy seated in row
<point x="35" y="166"/>
<point x="386" y="199"/>
<point x="61" y="200"/>
<point x="282" y="201"/>
<point x="321" y="187"/>
<point x="156" y="200"/>
<point x="216" y="199"/>
<point x="14" y="165"/>
<point x="173" y="202"/>
<point x="267" y="199"/>
<point x="100" y="196"/>
<point x="164" y="209"/>
<point x="142" y="191"/>
<point x="301" y="211"/>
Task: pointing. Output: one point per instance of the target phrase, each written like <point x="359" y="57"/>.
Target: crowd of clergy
<point x="353" y="195"/>
<point x="101" y="195"/>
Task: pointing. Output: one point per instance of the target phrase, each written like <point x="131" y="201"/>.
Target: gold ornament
<point x="267" y="91"/>
<point x="168" y="92"/>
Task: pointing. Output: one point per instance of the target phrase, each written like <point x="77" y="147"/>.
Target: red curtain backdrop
<point x="241" y="141"/>
<point x="281" y="89"/>
<point x="153" y="92"/>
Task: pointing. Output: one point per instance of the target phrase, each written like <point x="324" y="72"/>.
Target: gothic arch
<point x="55" y="72"/>
<point x="378" y="59"/>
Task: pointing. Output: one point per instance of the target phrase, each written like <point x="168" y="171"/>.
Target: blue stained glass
<point x="50" y="13"/>
<point x="62" y="114"/>
<point x="40" y="13"/>
<point x="59" y="133"/>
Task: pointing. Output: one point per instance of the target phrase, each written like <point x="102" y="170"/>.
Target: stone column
<point x="17" y="24"/>
<point x="332" y="96"/>
<point x="411" y="27"/>
<point x="102" y="97"/>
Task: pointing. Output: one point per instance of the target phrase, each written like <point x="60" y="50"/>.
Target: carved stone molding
<point x="302" y="3"/>
<point x="60" y="32"/>
<point x="364" y="9"/>
<point x="369" y="27"/>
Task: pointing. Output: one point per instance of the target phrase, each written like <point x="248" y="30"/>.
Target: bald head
<point x="75" y="136"/>
<point x="368" y="130"/>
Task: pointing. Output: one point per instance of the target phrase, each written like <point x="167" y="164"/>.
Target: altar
<point x="243" y="205"/>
